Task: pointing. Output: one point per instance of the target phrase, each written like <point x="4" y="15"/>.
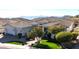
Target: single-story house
<point x="18" y="28"/>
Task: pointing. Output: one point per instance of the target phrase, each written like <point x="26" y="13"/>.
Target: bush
<point x="64" y="36"/>
<point x="55" y="29"/>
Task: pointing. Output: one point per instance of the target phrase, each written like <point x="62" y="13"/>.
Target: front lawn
<point x="45" y="44"/>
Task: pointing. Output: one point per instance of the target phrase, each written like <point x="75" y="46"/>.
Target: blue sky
<point x="17" y="8"/>
<point x="59" y="12"/>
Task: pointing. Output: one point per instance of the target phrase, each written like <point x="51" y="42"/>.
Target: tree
<point x="31" y="35"/>
<point x="55" y="29"/>
<point x="64" y="37"/>
<point x="39" y="31"/>
<point x="36" y="32"/>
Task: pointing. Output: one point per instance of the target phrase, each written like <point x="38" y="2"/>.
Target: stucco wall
<point x="15" y="30"/>
<point x="10" y="30"/>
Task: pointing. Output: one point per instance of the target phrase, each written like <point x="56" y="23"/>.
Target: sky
<point x="17" y="8"/>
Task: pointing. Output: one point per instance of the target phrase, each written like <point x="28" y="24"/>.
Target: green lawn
<point x="48" y="45"/>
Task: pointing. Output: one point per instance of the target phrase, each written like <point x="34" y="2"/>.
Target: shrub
<point x="64" y="36"/>
<point x="55" y="29"/>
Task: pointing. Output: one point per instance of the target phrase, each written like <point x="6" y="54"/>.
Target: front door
<point x="19" y="35"/>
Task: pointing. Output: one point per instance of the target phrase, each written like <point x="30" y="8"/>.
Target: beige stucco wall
<point x="10" y="30"/>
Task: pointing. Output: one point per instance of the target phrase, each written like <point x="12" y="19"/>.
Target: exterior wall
<point x="10" y="30"/>
<point x="25" y="30"/>
<point x="2" y="29"/>
<point x="22" y="30"/>
<point x="16" y="30"/>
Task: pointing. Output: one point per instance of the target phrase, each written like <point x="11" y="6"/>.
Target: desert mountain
<point x="65" y="20"/>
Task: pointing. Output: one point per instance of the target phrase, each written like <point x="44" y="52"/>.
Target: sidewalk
<point x="12" y="46"/>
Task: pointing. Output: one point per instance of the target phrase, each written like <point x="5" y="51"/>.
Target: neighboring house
<point x="18" y="28"/>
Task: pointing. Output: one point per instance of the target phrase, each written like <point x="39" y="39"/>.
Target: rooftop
<point x="20" y="24"/>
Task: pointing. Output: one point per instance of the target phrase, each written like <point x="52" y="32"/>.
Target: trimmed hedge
<point x="64" y="36"/>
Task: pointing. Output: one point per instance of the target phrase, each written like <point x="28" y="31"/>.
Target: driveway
<point x="8" y="38"/>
